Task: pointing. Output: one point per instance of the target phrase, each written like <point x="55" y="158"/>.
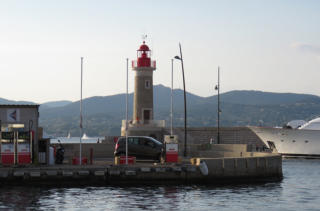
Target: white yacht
<point x="301" y="141"/>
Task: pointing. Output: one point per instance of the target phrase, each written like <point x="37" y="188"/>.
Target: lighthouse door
<point x="146" y="115"/>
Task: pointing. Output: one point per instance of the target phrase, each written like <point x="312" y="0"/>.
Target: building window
<point x="306" y="141"/>
<point x="147" y="84"/>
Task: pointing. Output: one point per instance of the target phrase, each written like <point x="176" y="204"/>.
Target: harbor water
<point x="299" y="190"/>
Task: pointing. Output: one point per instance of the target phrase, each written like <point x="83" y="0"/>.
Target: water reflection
<point x="132" y="198"/>
<point x="19" y="197"/>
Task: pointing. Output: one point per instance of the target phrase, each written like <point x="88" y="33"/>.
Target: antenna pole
<point x="218" y="105"/>
<point x="81" y="128"/>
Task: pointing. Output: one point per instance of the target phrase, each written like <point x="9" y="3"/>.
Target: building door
<point x="146" y="115"/>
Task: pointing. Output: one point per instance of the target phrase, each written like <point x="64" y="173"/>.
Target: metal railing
<point x="152" y="64"/>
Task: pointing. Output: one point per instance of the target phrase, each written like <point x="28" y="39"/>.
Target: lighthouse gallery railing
<point x="135" y="64"/>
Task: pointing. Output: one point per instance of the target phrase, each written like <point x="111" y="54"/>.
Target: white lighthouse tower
<point x="143" y="86"/>
<point x="142" y="122"/>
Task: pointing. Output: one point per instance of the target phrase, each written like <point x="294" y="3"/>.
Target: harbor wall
<point x="228" y="135"/>
<point x="220" y="170"/>
<point x="258" y="165"/>
<point x="204" y="135"/>
<point x="100" y="150"/>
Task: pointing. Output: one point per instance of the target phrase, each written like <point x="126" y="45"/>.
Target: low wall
<point x="259" y="165"/>
<point x="100" y="150"/>
<point x="205" y="135"/>
<point x="228" y="135"/>
<point x="217" y="150"/>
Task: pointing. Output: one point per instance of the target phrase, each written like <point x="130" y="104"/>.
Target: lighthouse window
<point x="147" y="84"/>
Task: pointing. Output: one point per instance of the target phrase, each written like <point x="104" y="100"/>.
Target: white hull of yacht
<point x="292" y="142"/>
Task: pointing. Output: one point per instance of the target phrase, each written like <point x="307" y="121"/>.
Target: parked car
<point x="140" y="147"/>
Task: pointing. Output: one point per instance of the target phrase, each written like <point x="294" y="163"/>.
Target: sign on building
<point x="13" y="115"/>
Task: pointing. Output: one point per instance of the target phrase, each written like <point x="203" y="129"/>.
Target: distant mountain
<point x="162" y="98"/>
<point x="11" y="102"/>
<point x="102" y="115"/>
<point x="53" y="104"/>
<point x="110" y="104"/>
<point x="264" y="98"/>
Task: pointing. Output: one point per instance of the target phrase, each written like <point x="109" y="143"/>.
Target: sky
<point x="271" y="45"/>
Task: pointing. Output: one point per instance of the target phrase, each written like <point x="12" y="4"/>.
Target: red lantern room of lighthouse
<point x="143" y="86"/>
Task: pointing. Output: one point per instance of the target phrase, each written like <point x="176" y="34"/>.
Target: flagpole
<point x="218" y="141"/>
<point x="127" y="115"/>
<point x="171" y="110"/>
<point x="81" y="128"/>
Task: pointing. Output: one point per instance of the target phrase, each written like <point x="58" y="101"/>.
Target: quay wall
<point x="220" y="170"/>
<point x="262" y="164"/>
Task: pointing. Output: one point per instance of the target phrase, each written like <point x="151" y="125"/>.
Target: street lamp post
<point x="185" y="102"/>
<point x="171" y="109"/>
<point x="218" y="88"/>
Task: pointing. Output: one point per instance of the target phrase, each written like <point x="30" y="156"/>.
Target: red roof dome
<point x="144" y="47"/>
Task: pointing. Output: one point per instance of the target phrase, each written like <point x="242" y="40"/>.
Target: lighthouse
<point x="143" y="86"/>
<point x="143" y="123"/>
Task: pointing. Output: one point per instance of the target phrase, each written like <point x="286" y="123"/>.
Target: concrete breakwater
<point x="220" y="170"/>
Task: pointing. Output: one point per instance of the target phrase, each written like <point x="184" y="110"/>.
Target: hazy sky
<point x="259" y="45"/>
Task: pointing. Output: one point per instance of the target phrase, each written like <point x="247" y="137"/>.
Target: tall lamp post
<point x="218" y="88"/>
<point x="185" y="102"/>
<point x="171" y="109"/>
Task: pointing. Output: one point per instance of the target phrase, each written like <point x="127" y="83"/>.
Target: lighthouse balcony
<point x="144" y="123"/>
<point x="136" y="64"/>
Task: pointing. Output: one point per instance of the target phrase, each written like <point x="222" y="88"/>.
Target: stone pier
<point x="249" y="168"/>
